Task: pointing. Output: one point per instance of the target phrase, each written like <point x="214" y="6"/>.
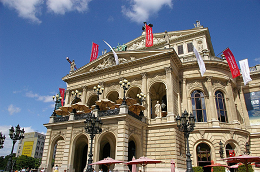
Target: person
<point x="139" y="170"/>
<point x="23" y="170"/>
<point x="42" y="170"/>
<point x="56" y="169"/>
<point x="158" y="109"/>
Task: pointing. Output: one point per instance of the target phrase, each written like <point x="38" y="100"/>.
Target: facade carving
<point x="172" y="80"/>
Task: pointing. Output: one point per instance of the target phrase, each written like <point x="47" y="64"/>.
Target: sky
<point x="36" y="36"/>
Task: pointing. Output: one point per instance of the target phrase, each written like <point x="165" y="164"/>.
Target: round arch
<point x="157" y="92"/>
<point x="132" y="93"/>
<point x="113" y="96"/>
<point x="92" y="100"/>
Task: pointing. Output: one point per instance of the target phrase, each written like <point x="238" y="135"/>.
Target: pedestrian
<point x="42" y="170"/>
<point x="23" y="170"/>
<point x="56" y="169"/>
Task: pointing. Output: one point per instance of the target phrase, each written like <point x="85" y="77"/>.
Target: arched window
<point x="221" y="107"/>
<point x="198" y="106"/>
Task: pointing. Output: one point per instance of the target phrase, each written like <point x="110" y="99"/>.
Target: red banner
<point x="94" y="51"/>
<point x="231" y="62"/>
<point x="149" y="36"/>
<point x="62" y="93"/>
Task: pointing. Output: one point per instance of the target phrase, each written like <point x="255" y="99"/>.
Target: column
<point x="169" y="91"/>
<point x="66" y="161"/>
<point x="67" y="97"/>
<point x="184" y="96"/>
<point x="243" y="107"/>
<point x="144" y="90"/>
<point x="211" y="109"/>
<point x="230" y="103"/>
<point x="84" y="94"/>
<point x="46" y="159"/>
<point x="122" y="146"/>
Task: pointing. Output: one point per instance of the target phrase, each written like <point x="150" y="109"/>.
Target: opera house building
<point x="160" y="82"/>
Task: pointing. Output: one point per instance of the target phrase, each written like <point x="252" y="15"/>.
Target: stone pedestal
<point x="170" y="118"/>
<point x="123" y="109"/>
<point x="71" y="118"/>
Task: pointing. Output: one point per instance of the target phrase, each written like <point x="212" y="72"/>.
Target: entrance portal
<point x="203" y="156"/>
<point x="106" y="153"/>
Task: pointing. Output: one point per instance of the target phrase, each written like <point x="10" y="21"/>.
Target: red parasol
<point x="172" y="166"/>
<point x="245" y="159"/>
<point x="107" y="162"/>
<point x="144" y="161"/>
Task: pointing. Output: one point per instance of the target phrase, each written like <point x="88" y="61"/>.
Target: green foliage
<point x="197" y="169"/>
<point x="219" y="169"/>
<point x="242" y="168"/>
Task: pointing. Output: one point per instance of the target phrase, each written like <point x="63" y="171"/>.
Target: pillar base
<point x="123" y="109"/>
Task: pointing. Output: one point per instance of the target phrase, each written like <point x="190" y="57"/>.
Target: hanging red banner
<point x="94" y="51"/>
<point x="62" y="93"/>
<point x="149" y="36"/>
<point x="232" y="63"/>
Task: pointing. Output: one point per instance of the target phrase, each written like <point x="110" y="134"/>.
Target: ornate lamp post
<point x="125" y="85"/>
<point x="142" y="97"/>
<point x="93" y="126"/>
<point x="15" y="135"/>
<point x="221" y="149"/>
<point x="99" y="91"/>
<point x="57" y="101"/>
<point x="2" y="140"/>
<point x="76" y="94"/>
<point x="186" y="124"/>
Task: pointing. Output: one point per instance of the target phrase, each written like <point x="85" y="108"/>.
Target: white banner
<point x="200" y="62"/>
<point x="115" y="55"/>
<point x="245" y="71"/>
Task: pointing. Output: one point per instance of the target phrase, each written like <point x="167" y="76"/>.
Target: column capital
<point x="144" y="75"/>
<point x="209" y="78"/>
<point x="84" y="87"/>
<point x="168" y="69"/>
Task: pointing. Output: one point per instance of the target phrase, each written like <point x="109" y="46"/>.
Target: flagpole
<point x="222" y="51"/>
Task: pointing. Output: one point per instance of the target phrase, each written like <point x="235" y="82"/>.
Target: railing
<point x="100" y="114"/>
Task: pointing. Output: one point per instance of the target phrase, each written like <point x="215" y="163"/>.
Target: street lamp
<point x="247" y="148"/>
<point x="186" y="124"/>
<point x="99" y="91"/>
<point x="2" y="140"/>
<point x="125" y="85"/>
<point x="15" y="135"/>
<point x="57" y="101"/>
<point x="142" y="97"/>
<point x="221" y="151"/>
<point x="93" y="125"/>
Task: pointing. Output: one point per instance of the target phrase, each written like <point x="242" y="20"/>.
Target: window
<point x="198" y="106"/>
<point x="38" y="142"/>
<point x="221" y="107"/>
<point x="190" y="47"/>
<point x="37" y="148"/>
<point x="42" y="143"/>
<point x="180" y="49"/>
<point x="203" y="154"/>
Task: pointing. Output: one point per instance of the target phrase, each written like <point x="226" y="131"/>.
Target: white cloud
<point x="26" y="8"/>
<point x="45" y="99"/>
<point x="257" y="60"/>
<point x="142" y="9"/>
<point x="12" y="109"/>
<point x="63" y="6"/>
<point x="8" y="143"/>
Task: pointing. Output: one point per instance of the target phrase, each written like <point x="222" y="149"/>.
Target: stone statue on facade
<point x="158" y="110"/>
<point x="72" y="66"/>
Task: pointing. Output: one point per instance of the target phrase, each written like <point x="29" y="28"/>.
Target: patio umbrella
<point x="216" y="165"/>
<point x="133" y="166"/>
<point x="61" y="112"/>
<point x="80" y="107"/>
<point x="245" y="159"/>
<point x="104" y="104"/>
<point x="129" y="101"/>
<point x="234" y="166"/>
<point x="172" y="166"/>
<point x="136" y="108"/>
<point x="66" y="108"/>
<point x="144" y="161"/>
<point x="107" y="162"/>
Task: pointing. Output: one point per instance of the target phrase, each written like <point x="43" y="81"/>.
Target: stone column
<point x="46" y="159"/>
<point x="169" y="91"/>
<point x="122" y="146"/>
<point x="66" y="161"/>
<point x="211" y="110"/>
<point x="184" y="96"/>
<point x="67" y="97"/>
<point x="84" y="94"/>
<point x="144" y="90"/>
<point x="148" y="100"/>
<point x="243" y="107"/>
<point x="230" y="103"/>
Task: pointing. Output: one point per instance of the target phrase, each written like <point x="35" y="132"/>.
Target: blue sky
<point x="36" y="36"/>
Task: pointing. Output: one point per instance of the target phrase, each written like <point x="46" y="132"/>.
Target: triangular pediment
<point x="107" y="61"/>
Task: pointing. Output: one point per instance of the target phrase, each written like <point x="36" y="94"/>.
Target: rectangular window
<point x="190" y="47"/>
<point x="180" y="49"/>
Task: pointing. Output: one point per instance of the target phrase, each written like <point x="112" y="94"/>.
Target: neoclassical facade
<point x="167" y="72"/>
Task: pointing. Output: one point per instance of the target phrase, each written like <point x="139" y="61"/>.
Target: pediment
<point x="107" y="61"/>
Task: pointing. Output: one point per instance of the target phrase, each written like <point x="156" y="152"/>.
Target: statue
<point x="158" y="110"/>
<point x="72" y="66"/>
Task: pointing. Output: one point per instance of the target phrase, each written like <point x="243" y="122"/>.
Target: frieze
<point x="194" y="84"/>
<point x="133" y="130"/>
<point x="112" y="129"/>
